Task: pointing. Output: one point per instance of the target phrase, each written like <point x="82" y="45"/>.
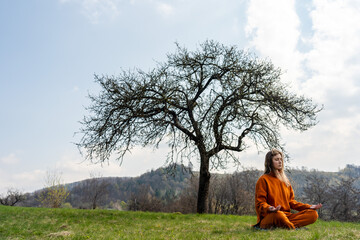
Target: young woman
<point x="274" y="197"/>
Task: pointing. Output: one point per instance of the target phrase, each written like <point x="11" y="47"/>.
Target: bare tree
<point x="93" y="191"/>
<point x="234" y="194"/>
<point x="213" y="196"/>
<point x="13" y="197"/>
<point x="219" y="195"/>
<point x="143" y="200"/>
<point x="246" y="180"/>
<point x="54" y="193"/>
<point x="204" y="103"/>
<point x="186" y="201"/>
<point x="345" y="200"/>
<point x="317" y="190"/>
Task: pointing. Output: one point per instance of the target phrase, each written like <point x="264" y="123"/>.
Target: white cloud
<point x="336" y="46"/>
<point x="332" y="65"/>
<point x="30" y="176"/>
<point x="102" y="10"/>
<point x="236" y="26"/>
<point x="10" y="159"/>
<point x="165" y="9"/>
<point x="273" y="30"/>
<point x="344" y="127"/>
<point x="26" y="181"/>
<point x="75" y="89"/>
<point x="4" y="182"/>
<point x="74" y="168"/>
<point x="98" y="10"/>
<point x="334" y="68"/>
<point x="327" y="146"/>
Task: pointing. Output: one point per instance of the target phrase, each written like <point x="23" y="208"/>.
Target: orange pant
<point x="289" y="220"/>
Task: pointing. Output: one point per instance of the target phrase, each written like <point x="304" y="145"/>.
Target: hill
<point x="157" y="190"/>
<point x="163" y="183"/>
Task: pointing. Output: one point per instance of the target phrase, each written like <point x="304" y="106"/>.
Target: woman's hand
<point x="274" y="209"/>
<point x="319" y="205"/>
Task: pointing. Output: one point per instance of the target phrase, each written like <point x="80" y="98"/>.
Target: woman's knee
<point x="280" y="216"/>
<point x="276" y="219"/>
<point x="281" y="220"/>
<point x="312" y="215"/>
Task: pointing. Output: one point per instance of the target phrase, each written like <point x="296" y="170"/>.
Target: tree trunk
<point x="204" y="183"/>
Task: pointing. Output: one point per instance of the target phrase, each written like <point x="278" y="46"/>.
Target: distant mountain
<point x="166" y="186"/>
<point x="298" y="176"/>
<point x="163" y="183"/>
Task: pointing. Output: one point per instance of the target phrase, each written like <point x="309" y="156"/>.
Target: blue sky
<point x="50" y="50"/>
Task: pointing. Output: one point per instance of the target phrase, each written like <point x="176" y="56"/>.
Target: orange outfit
<point x="270" y="191"/>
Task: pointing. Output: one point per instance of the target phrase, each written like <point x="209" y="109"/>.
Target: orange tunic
<point x="270" y="191"/>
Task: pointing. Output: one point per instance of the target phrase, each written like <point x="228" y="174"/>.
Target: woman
<point x="274" y="197"/>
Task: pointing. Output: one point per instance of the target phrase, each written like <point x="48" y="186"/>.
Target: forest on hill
<point x="175" y="190"/>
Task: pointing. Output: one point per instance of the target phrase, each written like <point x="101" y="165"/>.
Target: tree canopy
<point x="205" y="103"/>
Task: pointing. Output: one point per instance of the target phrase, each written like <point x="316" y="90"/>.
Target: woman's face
<point x="277" y="162"/>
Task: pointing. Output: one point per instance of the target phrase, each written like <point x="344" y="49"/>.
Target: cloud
<point x="334" y="58"/>
<point x="334" y="66"/>
<point x="75" y="89"/>
<point x="97" y="10"/>
<point x="30" y="176"/>
<point x="328" y="146"/>
<point x="273" y="30"/>
<point x="73" y="168"/>
<point x="165" y="9"/>
<point x="26" y="181"/>
<point x="10" y="159"/>
<point x="4" y="182"/>
<point x="326" y="71"/>
<point x="140" y="160"/>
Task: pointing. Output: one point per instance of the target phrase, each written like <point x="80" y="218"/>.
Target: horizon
<point x="224" y="173"/>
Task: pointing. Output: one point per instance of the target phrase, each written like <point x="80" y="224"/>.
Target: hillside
<point x="162" y="183"/>
<point x="157" y="190"/>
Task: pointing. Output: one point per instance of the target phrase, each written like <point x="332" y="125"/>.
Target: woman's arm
<point x="295" y="204"/>
<point x="317" y="206"/>
<point x="261" y="191"/>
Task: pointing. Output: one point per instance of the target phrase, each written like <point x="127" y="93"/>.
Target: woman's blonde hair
<point x="270" y="168"/>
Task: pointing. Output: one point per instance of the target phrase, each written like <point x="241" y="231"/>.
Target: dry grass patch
<point x="60" y="234"/>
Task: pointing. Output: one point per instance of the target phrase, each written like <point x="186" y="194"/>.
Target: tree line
<point x="234" y="194"/>
<point x="160" y="191"/>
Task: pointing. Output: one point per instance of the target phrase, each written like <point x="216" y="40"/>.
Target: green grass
<point x="42" y="223"/>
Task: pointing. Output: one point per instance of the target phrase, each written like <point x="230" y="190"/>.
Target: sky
<point x="51" y="49"/>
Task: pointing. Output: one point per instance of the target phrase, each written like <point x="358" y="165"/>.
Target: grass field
<point x="42" y="223"/>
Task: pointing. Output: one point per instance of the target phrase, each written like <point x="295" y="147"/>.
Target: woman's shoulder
<point x="267" y="175"/>
<point x="264" y="177"/>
